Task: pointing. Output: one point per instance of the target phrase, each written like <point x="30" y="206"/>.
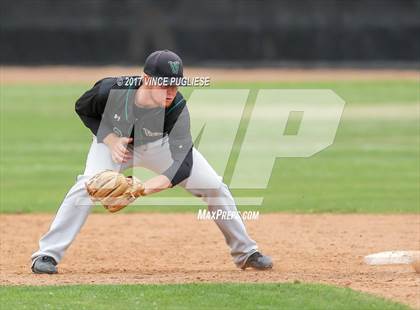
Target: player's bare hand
<point x="118" y="147"/>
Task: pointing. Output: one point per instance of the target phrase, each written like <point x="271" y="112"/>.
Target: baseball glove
<point x="114" y="190"/>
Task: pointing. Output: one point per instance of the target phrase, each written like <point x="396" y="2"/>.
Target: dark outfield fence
<point x="209" y="32"/>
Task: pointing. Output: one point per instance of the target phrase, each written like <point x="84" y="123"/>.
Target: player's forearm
<point x="110" y="139"/>
<point x="156" y="184"/>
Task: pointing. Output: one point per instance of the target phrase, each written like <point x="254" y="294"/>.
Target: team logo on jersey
<point x="117" y="117"/>
<point x="117" y="131"/>
<point x="150" y="133"/>
<point x="174" y="66"/>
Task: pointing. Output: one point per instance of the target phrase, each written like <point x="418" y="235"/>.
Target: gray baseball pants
<point x="155" y="156"/>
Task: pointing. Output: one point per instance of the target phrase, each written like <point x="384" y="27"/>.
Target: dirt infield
<point x="67" y="74"/>
<point x="177" y="248"/>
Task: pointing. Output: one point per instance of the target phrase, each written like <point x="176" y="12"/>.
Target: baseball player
<point x="135" y="123"/>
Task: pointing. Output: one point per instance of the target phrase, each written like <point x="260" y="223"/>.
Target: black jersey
<point x="108" y="107"/>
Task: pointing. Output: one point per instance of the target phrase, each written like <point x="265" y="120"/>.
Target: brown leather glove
<point x="114" y="190"/>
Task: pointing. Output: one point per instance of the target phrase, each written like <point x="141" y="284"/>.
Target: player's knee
<point x="221" y="191"/>
<point x="224" y="190"/>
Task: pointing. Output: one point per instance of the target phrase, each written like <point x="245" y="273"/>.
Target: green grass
<point x="373" y="165"/>
<point x="191" y="296"/>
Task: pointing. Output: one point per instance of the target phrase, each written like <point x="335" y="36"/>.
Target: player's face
<point x="157" y="96"/>
<point x="163" y="96"/>
<point x="170" y="94"/>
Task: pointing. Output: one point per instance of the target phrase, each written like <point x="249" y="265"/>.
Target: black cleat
<point x="44" y="264"/>
<point x="258" y="261"/>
